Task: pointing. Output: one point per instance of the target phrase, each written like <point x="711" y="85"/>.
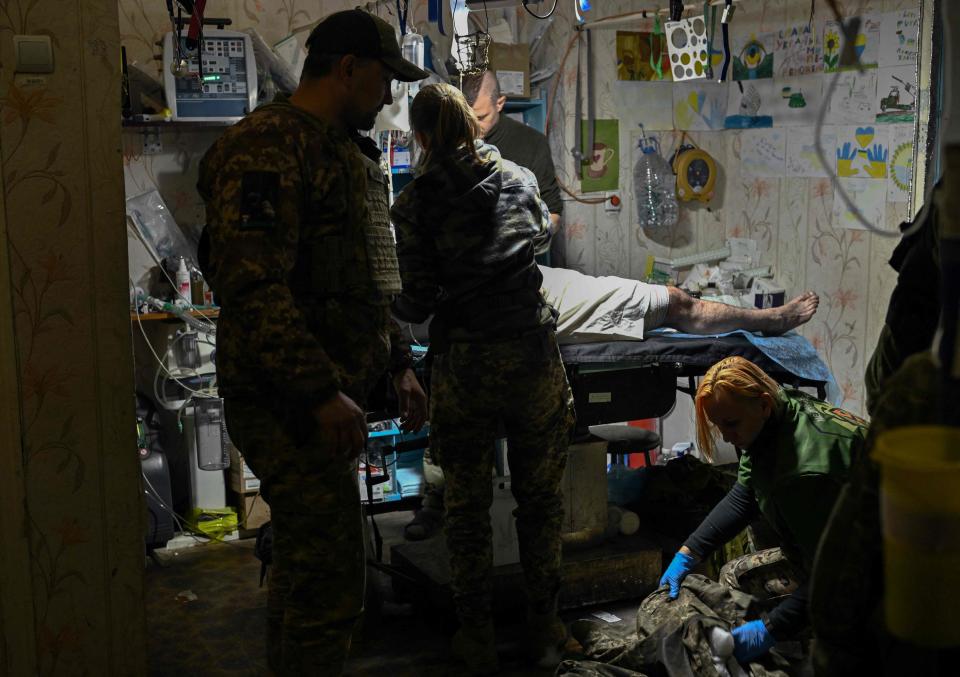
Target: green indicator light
<point x="211" y="78"/>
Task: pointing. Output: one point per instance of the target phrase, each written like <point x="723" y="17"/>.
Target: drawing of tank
<point x="892" y="100"/>
<point x="794" y="99"/>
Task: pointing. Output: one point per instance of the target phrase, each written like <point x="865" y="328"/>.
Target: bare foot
<point x="792" y="314"/>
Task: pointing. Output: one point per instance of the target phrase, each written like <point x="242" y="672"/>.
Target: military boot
<point x="545" y="638"/>
<point x="476" y="646"/>
<point x="429" y="518"/>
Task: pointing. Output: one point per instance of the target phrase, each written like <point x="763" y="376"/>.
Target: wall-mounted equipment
<point x="218" y="84"/>
<point x="696" y="173"/>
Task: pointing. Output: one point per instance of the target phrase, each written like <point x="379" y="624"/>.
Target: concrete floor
<point x="206" y="615"/>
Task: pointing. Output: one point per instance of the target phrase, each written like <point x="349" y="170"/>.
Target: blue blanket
<point x="791" y="351"/>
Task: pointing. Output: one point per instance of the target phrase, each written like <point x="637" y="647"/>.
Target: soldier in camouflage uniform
<point x="903" y="388"/>
<point x="467" y="228"/>
<point x="914" y="306"/>
<point x="305" y="277"/>
<point x="846" y="601"/>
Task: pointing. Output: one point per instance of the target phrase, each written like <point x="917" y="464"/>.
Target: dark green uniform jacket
<point x="797" y="466"/>
<point x="466" y="235"/>
<point x="792" y="474"/>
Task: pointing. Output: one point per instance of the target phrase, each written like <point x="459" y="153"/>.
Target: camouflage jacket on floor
<point x="670" y="637"/>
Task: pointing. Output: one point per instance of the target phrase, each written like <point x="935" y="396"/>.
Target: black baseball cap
<point x="360" y="33"/>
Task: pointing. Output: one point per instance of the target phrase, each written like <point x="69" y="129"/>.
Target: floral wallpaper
<point x="62" y="191"/>
<point x="791" y="219"/>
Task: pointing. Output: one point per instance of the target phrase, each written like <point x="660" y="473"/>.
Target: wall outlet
<point x="612" y="203"/>
<point x="152" y="145"/>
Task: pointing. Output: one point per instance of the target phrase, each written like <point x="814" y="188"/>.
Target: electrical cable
<point x="591" y="103"/>
<point x="537" y="16"/>
<point x="186" y="528"/>
<point x="161" y="362"/>
<point x="550" y="104"/>
<point x="835" y="180"/>
<point x="156" y="496"/>
<point x="412" y="336"/>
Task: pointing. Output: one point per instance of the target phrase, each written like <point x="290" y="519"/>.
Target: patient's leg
<point x="694" y="316"/>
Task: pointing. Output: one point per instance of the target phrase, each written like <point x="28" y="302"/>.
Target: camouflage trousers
<point x="317" y="583"/>
<point x="521" y="385"/>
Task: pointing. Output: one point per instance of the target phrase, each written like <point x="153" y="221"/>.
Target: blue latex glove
<point x="681" y="565"/>
<point x="751" y="640"/>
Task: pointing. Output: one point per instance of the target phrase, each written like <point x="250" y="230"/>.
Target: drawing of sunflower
<point x="831" y="50"/>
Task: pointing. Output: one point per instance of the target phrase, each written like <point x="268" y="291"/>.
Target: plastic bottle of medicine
<point x="183" y="280"/>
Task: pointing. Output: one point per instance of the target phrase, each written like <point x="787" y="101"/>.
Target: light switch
<point x="34" y="53"/>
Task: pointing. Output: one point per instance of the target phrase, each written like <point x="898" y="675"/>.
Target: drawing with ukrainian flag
<point x="862" y="152"/>
<point x="866" y="45"/>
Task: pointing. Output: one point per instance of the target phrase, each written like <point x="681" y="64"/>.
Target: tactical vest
<point x="381" y="245"/>
<point x="347" y="249"/>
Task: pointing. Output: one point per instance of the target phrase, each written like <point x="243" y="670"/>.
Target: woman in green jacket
<point x="796" y="455"/>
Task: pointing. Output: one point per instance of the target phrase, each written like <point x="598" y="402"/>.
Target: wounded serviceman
<point x="614" y="308"/>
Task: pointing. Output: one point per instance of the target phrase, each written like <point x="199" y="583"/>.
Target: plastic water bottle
<point x="654" y="188"/>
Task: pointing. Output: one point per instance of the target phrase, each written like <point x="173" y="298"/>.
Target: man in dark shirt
<point x="516" y="141"/>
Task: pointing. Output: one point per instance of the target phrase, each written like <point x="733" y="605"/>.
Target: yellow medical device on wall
<point x="696" y="173"/>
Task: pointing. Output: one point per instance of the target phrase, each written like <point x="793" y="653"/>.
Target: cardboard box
<point x="242" y="479"/>
<point x="767" y="294"/>
<point x="512" y="64"/>
<point x="252" y="511"/>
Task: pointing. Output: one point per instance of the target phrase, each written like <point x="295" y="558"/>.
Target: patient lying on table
<point x="615" y="308"/>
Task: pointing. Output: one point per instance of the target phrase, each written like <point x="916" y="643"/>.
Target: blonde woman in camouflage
<point x="467" y="229"/>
